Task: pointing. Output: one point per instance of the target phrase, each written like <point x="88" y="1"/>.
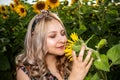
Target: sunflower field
<point x="96" y="23"/>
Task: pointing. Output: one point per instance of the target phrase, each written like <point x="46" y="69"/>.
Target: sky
<point x="6" y="2"/>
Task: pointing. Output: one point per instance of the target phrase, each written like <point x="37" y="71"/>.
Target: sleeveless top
<point x="49" y="76"/>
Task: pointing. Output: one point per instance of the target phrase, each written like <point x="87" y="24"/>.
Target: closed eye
<point x="52" y="36"/>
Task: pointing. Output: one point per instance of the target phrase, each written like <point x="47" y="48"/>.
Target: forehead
<point x="54" y="25"/>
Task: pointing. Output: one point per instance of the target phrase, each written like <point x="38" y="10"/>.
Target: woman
<point x="43" y="57"/>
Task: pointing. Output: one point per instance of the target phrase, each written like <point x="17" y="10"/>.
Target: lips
<point x="61" y="47"/>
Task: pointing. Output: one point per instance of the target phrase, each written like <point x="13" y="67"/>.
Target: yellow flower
<point x="3" y="9"/>
<point x="68" y="53"/>
<point x="53" y="3"/>
<point x="73" y="1"/>
<point x="69" y="41"/>
<point x="66" y="2"/>
<point x="12" y="6"/>
<point x="40" y="5"/>
<point x="99" y="2"/>
<point x="20" y="9"/>
<point x="4" y="16"/>
<point x="17" y="2"/>
<point x="74" y="36"/>
<point x="71" y="45"/>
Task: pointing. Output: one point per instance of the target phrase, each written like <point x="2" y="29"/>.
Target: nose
<point x="63" y="39"/>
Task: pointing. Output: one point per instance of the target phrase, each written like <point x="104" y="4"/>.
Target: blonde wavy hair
<point x="35" y="49"/>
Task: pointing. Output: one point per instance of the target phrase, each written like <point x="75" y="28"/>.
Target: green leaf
<point x="114" y="54"/>
<point x="91" y="76"/>
<point x="101" y="43"/>
<point x="76" y="48"/>
<point x="95" y="77"/>
<point x="102" y="63"/>
<point x="4" y="63"/>
<point x="82" y="29"/>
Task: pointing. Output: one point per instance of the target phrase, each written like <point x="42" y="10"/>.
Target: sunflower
<point x="3" y="9"/>
<point x="66" y="2"/>
<point x="40" y="5"/>
<point x="12" y="6"/>
<point x="71" y="45"/>
<point x="68" y="49"/>
<point x="74" y="36"/>
<point x="20" y="9"/>
<point x="4" y="16"/>
<point x="17" y="2"/>
<point x="73" y="1"/>
<point x="53" y="3"/>
<point x="99" y="1"/>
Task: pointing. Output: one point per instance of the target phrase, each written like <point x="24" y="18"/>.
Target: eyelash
<point x="53" y="36"/>
<point x="62" y="34"/>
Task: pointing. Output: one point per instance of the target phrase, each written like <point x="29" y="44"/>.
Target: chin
<point x="58" y="53"/>
<point x="61" y="54"/>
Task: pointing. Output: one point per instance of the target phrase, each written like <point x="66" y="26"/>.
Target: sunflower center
<point x="3" y="8"/>
<point x="5" y="15"/>
<point x="22" y="10"/>
<point x="41" y="5"/>
<point x="12" y="5"/>
<point x="53" y="1"/>
<point x="16" y="2"/>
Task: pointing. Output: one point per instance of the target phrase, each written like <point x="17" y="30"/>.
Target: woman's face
<point x="56" y="38"/>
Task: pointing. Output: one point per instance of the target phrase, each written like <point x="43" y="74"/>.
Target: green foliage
<point x="102" y="63"/>
<point x="12" y="31"/>
<point x="101" y="43"/>
<point x="113" y="54"/>
<point x="99" y="26"/>
<point x="101" y="20"/>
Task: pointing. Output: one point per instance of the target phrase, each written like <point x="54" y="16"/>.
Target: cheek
<point x="50" y="43"/>
<point x="51" y="46"/>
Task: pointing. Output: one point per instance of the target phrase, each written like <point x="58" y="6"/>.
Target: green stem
<point x="94" y="51"/>
<point x="87" y="48"/>
<point x="89" y="39"/>
<point x="79" y="16"/>
<point x="103" y="75"/>
<point x="111" y="64"/>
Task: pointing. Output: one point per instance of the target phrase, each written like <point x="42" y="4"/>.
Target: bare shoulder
<point x="21" y="75"/>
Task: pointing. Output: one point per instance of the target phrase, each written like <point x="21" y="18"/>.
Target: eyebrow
<point x="55" y="31"/>
<point x="52" y="32"/>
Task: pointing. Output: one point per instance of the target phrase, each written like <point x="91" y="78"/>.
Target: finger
<point x="87" y="57"/>
<point x="81" y="53"/>
<point x="74" y="56"/>
<point x="89" y="64"/>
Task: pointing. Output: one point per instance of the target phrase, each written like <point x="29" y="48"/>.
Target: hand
<point x="80" y="67"/>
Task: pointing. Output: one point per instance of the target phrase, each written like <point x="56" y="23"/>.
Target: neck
<point x="51" y="64"/>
